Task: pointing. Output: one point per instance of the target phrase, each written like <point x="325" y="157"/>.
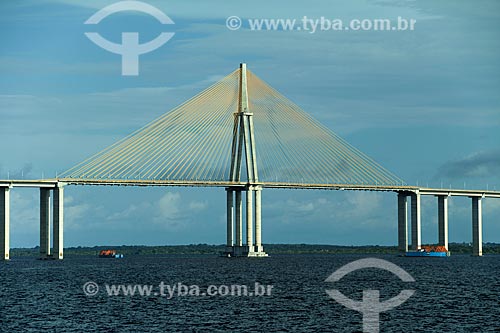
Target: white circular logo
<point x="233" y="23"/>
<point x="90" y="288"/>
<point x="370" y="306"/>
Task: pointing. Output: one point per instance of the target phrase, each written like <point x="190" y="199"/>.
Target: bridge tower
<point x="244" y="138"/>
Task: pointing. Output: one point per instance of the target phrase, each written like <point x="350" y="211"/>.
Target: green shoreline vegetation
<point x="455" y="248"/>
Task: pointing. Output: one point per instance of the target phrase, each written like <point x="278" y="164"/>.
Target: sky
<point x="424" y="103"/>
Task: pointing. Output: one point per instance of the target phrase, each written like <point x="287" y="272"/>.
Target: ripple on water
<point x="456" y="294"/>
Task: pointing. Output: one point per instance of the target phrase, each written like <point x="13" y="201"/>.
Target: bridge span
<point x="52" y="214"/>
<point x="242" y="135"/>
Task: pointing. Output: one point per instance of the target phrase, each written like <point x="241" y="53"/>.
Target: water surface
<point x="456" y="294"/>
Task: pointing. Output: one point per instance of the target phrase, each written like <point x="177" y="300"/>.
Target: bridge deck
<point x="51" y="183"/>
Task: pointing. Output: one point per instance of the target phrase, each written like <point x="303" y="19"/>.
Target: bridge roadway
<point x="52" y="183"/>
<point x="54" y="188"/>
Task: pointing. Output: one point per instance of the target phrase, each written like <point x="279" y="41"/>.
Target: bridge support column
<point x="249" y="248"/>
<point x="253" y="217"/>
<point x="477" y="227"/>
<point x="416" y="230"/>
<point x="4" y="223"/>
<point x="402" y="222"/>
<point x="259" y="249"/>
<point x="230" y="220"/>
<point x="58" y="222"/>
<point x="258" y="221"/>
<point x="243" y="138"/>
<point x="443" y="220"/>
<point x="44" y="223"/>
<point x="238" y="219"/>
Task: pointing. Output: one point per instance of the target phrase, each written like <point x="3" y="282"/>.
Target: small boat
<point x="110" y="254"/>
<point x="429" y="251"/>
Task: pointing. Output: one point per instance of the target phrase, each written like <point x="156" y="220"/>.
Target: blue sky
<point x="423" y="103"/>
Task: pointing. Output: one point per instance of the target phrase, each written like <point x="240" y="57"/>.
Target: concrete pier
<point x="477" y="227"/>
<point x="252" y="247"/>
<point x="443" y="220"/>
<point x="230" y="220"/>
<point x="239" y="218"/>
<point x="258" y="221"/>
<point x="249" y="220"/>
<point x="45" y="188"/>
<point x="4" y="223"/>
<point x="44" y="223"/>
<point x="243" y="138"/>
<point x="258" y="248"/>
<point x="58" y="223"/>
<point x="402" y="222"/>
<point x="416" y="230"/>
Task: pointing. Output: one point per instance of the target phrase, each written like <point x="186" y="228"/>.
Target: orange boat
<point x="110" y="254"/>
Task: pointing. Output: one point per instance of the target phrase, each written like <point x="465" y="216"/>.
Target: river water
<point x="456" y="294"/>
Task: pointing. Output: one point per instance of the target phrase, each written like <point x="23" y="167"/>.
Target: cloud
<point x="221" y="9"/>
<point x="24" y="210"/>
<point x="73" y="214"/>
<point x="478" y="165"/>
<point x="306" y="207"/>
<point x="132" y="211"/>
<point x="69" y="96"/>
<point x="363" y="204"/>
<point x="198" y="205"/>
<point x="491" y="206"/>
<point x="80" y="214"/>
<point x="169" y="205"/>
<point x="166" y="211"/>
<point x="359" y="207"/>
<point x="21" y="173"/>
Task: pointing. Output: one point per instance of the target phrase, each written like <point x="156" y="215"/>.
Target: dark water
<point x="456" y="294"/>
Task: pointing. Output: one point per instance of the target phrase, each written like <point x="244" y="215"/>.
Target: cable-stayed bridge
<point x="243" y="135"/>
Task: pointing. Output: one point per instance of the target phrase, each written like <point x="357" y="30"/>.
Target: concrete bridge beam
<point x="238" y="218"/>
<point x="443" y="220"/>
<point x="249" y="248"/>
<point x="44" y="223"/>
<point x="4" y="223"/>
<point x="402" y="222"/>
<point x="416" y="228"/>
<point x="58" y="222"/>
<point x="477" y="227"/>
<point x="230" y="219"/>
<point x="253" y="245"/>
<point x="258" y="221"/>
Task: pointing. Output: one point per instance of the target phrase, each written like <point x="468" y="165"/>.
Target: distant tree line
<point x="455" y="248"/>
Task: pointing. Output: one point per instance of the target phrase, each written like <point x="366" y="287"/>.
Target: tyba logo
<point x="130" y="49"/>
<point x="370" y="306"/>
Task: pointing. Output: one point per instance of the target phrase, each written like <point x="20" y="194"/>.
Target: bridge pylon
<point x="244" y="138"/>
